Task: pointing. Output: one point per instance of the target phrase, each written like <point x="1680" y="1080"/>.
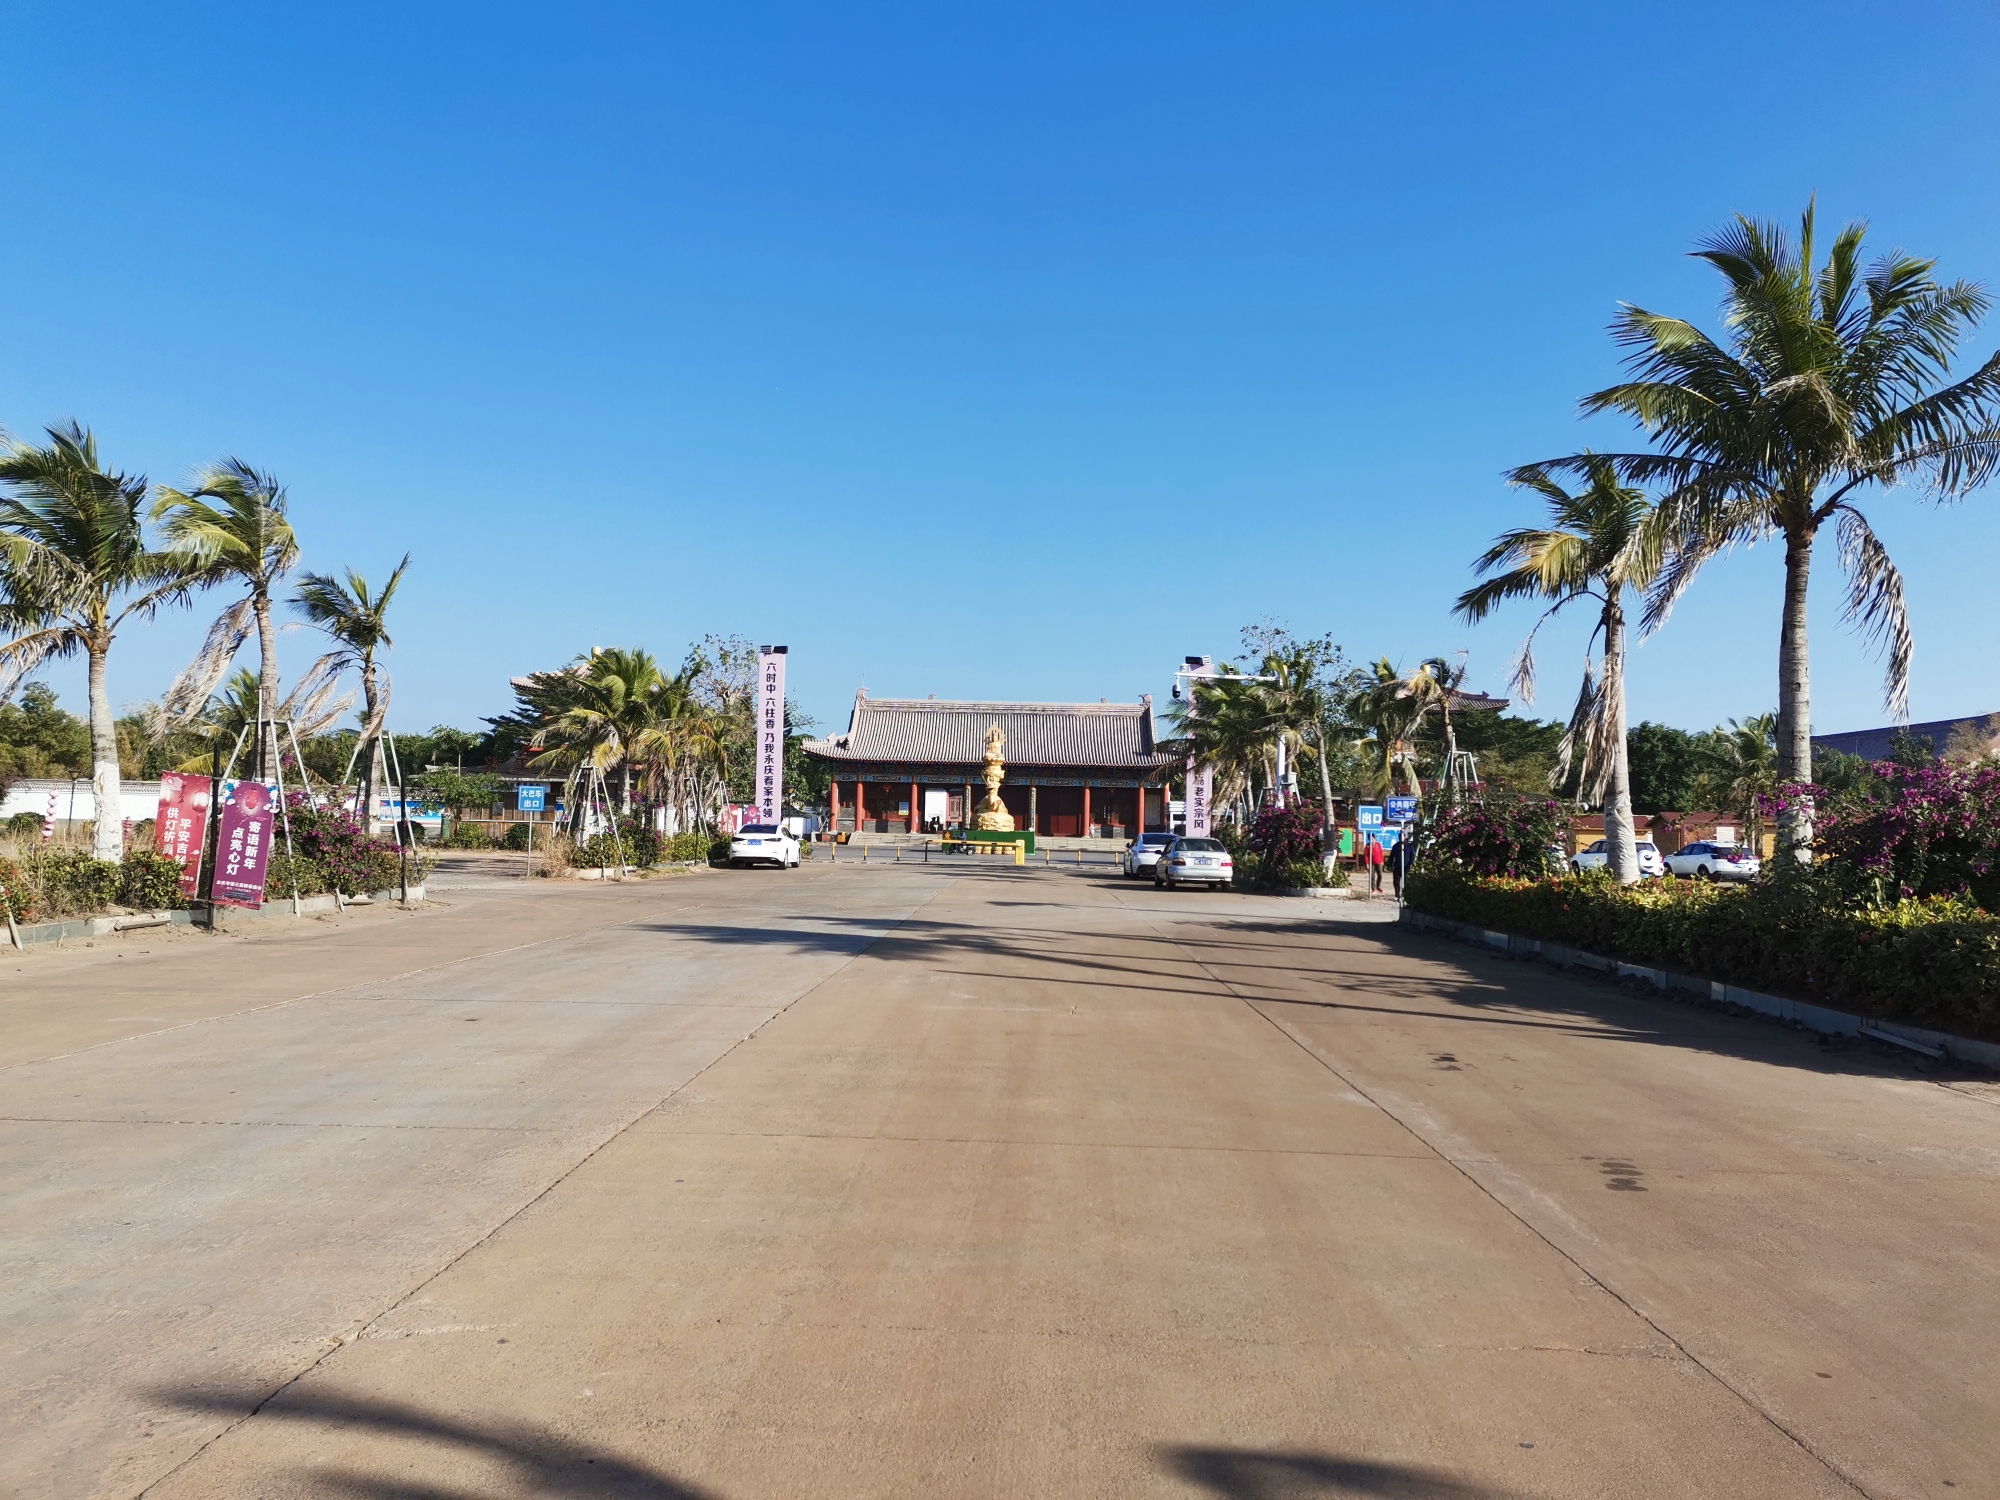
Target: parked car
<point x="1144" y="852"/>
<point x="1598" y="855"/>
<point x="1707" y="861"/>
<point x="763" y="844"/>
<point x="1189" y="861"/>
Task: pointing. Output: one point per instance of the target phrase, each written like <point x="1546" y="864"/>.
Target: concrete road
<point x="963" y="1180"/>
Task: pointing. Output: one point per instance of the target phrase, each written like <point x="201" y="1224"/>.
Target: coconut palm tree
<point x="233" y="526"/>
<point x="74" y="567"/>
<point x="357" y="619"/>
<point x="613" y="724"/>
<point x="1599" y="542"/>
<point x="1831" y="381"/>
<point x="1742" y="769"/>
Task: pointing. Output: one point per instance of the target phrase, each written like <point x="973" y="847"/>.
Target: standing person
<point x="1401" y="859"/>
<point x="1375" y="860"/>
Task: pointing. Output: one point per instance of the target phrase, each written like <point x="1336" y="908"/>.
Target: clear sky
<point x="986" y="352"/>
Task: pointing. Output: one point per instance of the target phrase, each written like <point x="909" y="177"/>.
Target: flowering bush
<point x="1931" y="830"/>
<point x="335" y="854"/>
<point x="1933" y="960"/>
<point x="1506" y="837"/>
<point x="1286" y="832"/>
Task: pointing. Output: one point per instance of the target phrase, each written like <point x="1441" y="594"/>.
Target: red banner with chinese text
<point x="243" y="842"/>
<point x="182" y="821"/>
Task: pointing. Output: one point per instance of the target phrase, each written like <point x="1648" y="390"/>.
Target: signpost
<point x="770" y="792"/>
<point x="531" y="799"/>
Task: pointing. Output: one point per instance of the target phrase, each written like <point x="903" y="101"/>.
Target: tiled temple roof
<point x="908" y="731"/>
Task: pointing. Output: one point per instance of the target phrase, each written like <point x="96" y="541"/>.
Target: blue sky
<point x="633" y="323"/>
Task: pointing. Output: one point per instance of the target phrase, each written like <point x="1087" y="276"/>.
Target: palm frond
<point x="1876" y="606"/>
<point x="189" y="692"/>
<point x="28" y="651"/>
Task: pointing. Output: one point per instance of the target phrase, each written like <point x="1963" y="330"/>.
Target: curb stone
<point x="1818" y="1018"/>
<point x="36" y="934"/>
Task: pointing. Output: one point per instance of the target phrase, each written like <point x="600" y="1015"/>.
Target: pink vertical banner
<point x="1200" y="787"/>
<point x="770" y="793"/>
<point x="243" y="842"/>
<point x="182" y="821"/>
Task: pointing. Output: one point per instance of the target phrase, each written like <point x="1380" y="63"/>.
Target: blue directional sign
<point x="1388" y="838"/>
<point x="1402" y="810"/>
<point x="1367" y="818"/>
<point x="532" y="798"/>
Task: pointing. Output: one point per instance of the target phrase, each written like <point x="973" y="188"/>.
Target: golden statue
<point x="993" y="814"/>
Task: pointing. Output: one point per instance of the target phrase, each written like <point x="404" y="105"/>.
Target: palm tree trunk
<point x="107" y="840"/>
<point x="364" y="796"/>
<point x="1795" y="823"/>
<point x="1620" y="842"/>
<point x="267" y="687"/>
<point x="625" y="788"/>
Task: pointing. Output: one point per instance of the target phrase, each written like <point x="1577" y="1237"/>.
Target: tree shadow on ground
<point x="1258" y="1474"/>
<point x="538" y="1461"/>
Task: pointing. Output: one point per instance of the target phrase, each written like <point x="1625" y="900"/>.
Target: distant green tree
<point x="1666" y="763"/>
<point x="37" y="738"/>
<point x="1912" y="751"/>
<point x="455" y="791"/>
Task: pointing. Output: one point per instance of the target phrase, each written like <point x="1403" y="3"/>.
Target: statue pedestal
<point x="1001" y="836"/>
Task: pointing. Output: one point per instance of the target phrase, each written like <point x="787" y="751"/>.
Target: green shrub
<point x="1505" y="836"/>
<point x="17" y="894"/>
<point x="599" y="850"/>
<point x="148" y="881"/>
<point x="24" y="825"/>
<point x="68" y="882"/>
<point x="312" y="876"/>
<point x="1931" y="960"/>
<point x="686" y="848"/>
<point x="469" y="836"/>
<point x="516" y="837"/>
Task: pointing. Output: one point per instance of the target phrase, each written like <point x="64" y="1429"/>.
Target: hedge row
<point x="49" y="885"/>
<point x="1933" y="961"/>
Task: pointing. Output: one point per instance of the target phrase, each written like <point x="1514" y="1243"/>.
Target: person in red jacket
<point x="1374" y="858"/>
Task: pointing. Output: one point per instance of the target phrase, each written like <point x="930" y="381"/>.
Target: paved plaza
<point x="962" y="1180"/>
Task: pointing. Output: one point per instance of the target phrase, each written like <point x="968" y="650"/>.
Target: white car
<point x="1189" y="861"/>
<point x="763" y="844"/>
<point x="1707" y="861"/>
<point x="1144" y="852"/>
<point x="1598" y="855"/>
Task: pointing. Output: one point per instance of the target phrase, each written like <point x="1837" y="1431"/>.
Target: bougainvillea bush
<point x="1507" y="836"/>
<point x="1928" y="830"/>
<point x="1284" y="832"/>
<point x="1934" y="960"/>
<point x="334" y="853"/>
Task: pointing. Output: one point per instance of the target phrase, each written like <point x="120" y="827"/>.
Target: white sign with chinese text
<point x="1200" y="786"/>
<point x="770" y="792"/>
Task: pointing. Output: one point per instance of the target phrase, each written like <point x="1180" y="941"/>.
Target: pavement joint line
<point x="251" y="1010"/>
<point x="981" y="1140"/>
<point x="402" y="1299"/>
<point x="280" y="1124"/>
<point x="1593" y="1277"/>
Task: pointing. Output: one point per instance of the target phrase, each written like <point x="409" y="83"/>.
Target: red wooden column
<point x="916" y="809"/>
<point x="1086" y="812"/>
<point x="833" y="789"/>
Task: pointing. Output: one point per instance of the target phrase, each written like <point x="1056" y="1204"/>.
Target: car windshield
<point x="1157" y="840"/>
<point x="758" y="828"/>
<point x="1202" y="846"/>
<point x="1644" y="847"/>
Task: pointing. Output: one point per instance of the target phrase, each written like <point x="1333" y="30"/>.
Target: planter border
<point x="35" y="934"/>
<point x="1819" y="1018"/>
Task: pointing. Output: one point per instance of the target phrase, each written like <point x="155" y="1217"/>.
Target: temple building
<point x="1074" y="770"/>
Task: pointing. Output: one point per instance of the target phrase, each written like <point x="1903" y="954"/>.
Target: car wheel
<point x="1226" y="885"/>
<point x="1702" y="872"/>
<point x="1576" y="867"/>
